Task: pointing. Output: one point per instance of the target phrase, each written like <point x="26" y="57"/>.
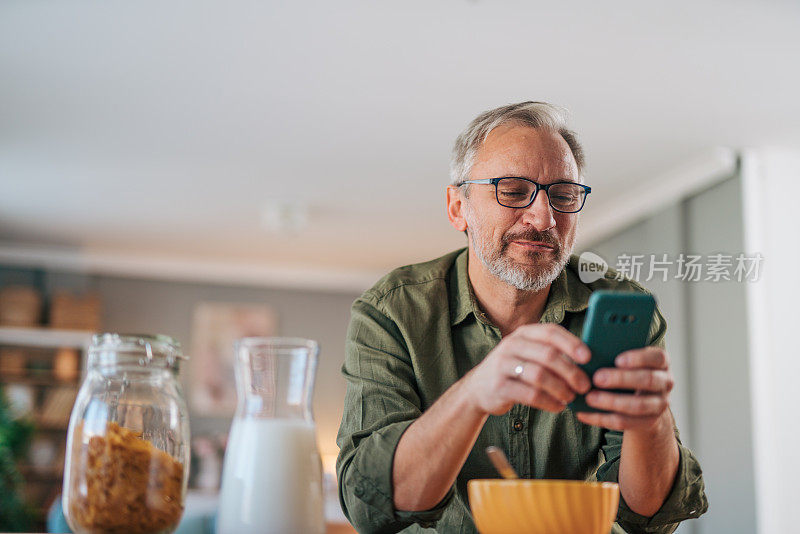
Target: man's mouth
<point x="533" y="245"/>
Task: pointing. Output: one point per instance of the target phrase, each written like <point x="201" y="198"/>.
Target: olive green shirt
<point x="413" y="335"/>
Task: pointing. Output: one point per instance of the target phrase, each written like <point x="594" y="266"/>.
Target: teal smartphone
<point x="615" y="322"/>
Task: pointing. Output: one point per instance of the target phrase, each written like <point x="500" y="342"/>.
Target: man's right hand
<point x="546" y="354"/>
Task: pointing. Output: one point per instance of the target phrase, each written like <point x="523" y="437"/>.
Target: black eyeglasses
<point x="516" y="192"/>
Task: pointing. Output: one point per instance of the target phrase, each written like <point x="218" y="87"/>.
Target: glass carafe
<point x="272" y="474"/>
<point x="127" y="460"/>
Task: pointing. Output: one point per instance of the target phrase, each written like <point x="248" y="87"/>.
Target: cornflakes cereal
<point x="131" y="486"/>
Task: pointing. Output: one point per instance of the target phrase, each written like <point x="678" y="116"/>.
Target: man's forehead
<point x="511" y="149"/>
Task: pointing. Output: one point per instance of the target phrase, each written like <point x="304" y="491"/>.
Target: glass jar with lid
<point x="127" y="461"/>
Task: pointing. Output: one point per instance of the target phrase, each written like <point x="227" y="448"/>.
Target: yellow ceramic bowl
<point x="543" y="506"/>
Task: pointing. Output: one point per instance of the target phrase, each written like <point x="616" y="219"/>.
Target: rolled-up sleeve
<point x="381" y="402"/>
<point x="686" y="500"/>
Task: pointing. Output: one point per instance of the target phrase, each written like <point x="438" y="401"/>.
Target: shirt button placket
<point x="519" y="446"/>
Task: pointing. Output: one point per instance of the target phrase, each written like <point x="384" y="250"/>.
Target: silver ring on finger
<point x="518" y="370"/>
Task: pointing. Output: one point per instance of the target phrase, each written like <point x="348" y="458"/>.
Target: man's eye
<point x="514" y="194"/>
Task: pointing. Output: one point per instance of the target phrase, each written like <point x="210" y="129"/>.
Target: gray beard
<point x="515" y="275"/>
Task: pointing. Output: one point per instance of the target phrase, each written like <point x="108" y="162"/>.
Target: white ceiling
<point x="164" y="128"/>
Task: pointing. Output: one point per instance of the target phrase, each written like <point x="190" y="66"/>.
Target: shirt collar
<point x="567" y="293"/>
<point x="462" y="300"/>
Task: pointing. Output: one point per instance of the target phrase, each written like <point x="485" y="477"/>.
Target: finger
<point x="647" y="357"/>
<point x="539" y="377"/>
<point x="554" y="360"/>
<point x="626" y="403"/>
<point x="650" y="380"/>
<point x="520" y="393"/>
<point x="559" y="338"/>
<point x="615" y="421"/>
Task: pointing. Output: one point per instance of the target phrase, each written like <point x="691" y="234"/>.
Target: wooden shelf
<point x="45" y="380"/>
<point x="35" y="370"/>
<point x="45" y="337"/>
<point x="31" y="473"/>
<point x="53" y="427"/>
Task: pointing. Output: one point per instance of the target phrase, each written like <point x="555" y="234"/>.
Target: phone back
<point x="615" y="322"/>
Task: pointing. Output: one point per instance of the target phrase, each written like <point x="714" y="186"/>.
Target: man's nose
<point x="539" y="214"/>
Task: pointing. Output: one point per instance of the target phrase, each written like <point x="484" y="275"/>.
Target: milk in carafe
<point x="272" y="479"/>
<point x="272" y="474"/>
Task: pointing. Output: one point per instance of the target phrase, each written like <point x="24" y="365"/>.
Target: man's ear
<point x="455" y="208"/>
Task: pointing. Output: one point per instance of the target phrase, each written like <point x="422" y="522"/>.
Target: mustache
<point x="547" y="238"/>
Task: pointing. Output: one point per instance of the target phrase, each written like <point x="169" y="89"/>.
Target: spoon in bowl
<point x="500" y="462"/>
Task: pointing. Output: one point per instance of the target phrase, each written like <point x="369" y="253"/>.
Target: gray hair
<point x="540" y="115"/>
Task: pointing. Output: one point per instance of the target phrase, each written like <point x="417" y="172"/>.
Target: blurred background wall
<point x="707" y="344"/>
<point x="155" y="306"/>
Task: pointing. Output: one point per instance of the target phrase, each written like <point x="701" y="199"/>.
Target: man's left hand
<point x="646" y="372"/>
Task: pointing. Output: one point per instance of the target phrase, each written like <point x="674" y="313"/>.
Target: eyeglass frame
<point x="539" y="187"/>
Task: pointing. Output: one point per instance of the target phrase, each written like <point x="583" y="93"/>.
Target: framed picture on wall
<point x="215" y="328"/>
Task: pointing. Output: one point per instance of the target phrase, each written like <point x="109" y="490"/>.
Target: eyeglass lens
<point x="517" y="193"/>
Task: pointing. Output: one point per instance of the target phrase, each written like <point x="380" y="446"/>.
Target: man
<point x="480" y="347"/>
